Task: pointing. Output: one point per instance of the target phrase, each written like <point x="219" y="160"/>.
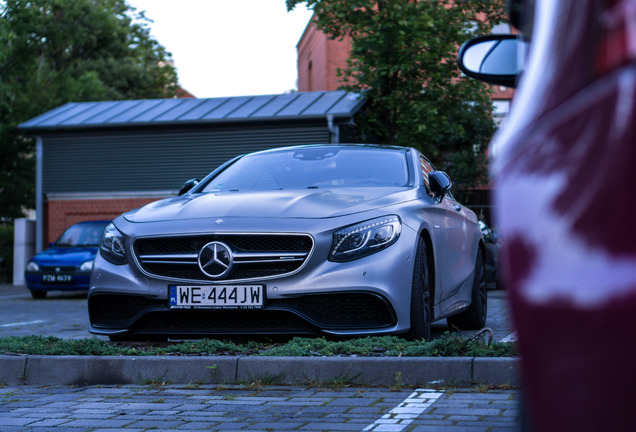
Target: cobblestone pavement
<point x="498" y="318"/>
<point x="159" y="407"/>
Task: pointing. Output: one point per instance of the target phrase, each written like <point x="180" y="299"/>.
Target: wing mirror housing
<point x="187" y="186"/>
<point x="495" y="59"/>
<point x="440" y="184"/>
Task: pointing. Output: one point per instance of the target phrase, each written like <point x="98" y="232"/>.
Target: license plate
<point x="217" y="296"/>
<point x="57" y="278"/>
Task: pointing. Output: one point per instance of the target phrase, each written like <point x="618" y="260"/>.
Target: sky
<point x="229" y="47"/>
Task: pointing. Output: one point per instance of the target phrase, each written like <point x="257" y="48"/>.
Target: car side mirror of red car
<point x="495" y="59"/>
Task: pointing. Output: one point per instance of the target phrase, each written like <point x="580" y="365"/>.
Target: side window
<point x="427" y="168"/>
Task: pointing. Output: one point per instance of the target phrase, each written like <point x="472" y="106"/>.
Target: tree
<point x="58" y="51"/>
<point x="403" y="59"/>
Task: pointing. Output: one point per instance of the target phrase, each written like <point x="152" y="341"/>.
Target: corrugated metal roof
<point x="151" y="112"/>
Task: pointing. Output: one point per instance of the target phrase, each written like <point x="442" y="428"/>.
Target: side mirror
<point x="440" y="184"/>
<point x="486" y="232"/>
<point x="188" y="185"/>
<point x="495" y="59"/>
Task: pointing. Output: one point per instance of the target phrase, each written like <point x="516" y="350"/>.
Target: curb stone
<point x="12" y="369"/>
<point x="373" y="371"/>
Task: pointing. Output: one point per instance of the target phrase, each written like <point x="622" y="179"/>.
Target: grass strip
<point x="448" y="345"/>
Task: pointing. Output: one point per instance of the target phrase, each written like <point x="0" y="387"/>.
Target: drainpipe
<point x="39" y="198"/>
<point x="334" y="131"/>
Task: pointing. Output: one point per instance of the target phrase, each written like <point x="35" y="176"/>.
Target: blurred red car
<point x="563" y="169"/>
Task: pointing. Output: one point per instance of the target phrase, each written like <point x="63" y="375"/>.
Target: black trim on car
<point x="307" y="314"/>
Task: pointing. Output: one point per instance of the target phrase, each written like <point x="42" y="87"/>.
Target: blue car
<point x="66" y="265"/>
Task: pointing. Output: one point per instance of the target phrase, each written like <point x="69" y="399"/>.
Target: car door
<point x="452" y="239"/>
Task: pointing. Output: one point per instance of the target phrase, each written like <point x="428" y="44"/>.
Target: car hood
<point x="310" y="203"/>
<point x="62" y="256"/>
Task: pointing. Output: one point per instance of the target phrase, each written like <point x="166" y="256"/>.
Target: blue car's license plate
<point x="217" y="296"/>
<point x="57" y="278"/>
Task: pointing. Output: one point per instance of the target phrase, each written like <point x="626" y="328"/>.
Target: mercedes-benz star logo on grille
<point x="215" y="259"/>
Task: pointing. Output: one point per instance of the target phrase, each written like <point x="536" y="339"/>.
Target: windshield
<point x="82" y="234"/>
<point x="314" y="167"/>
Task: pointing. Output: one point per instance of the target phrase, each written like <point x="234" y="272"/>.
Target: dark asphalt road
<point x="65" y="314"/>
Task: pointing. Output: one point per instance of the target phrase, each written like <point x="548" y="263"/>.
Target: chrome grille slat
<point x="159" y="261"/>
<point x="256" y="256"/>
<point x="169" y="256"/>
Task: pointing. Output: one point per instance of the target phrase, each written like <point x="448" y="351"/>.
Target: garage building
<point x="96" y="160"/>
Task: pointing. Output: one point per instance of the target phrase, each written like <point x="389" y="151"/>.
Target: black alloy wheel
<point x="420" y="297"/>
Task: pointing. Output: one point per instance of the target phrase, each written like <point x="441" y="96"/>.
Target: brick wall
<point x="63" y="213"/>
<point x="319" y="58"/>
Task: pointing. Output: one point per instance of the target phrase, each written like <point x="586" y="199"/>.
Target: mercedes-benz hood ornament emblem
<point x="215" y="259"/>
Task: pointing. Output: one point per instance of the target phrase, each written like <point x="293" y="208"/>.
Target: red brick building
<point x="61" y="213"/>
<point x="320" y="57"/>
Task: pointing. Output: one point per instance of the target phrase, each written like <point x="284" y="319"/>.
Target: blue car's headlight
<point x="112" y="246"/>
<point x="365" y="238"/>
<point x="86" y="266"/>
<point x="32" y="266"/>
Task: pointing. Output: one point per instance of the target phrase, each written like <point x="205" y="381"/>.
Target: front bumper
<point x="309" y="314"/>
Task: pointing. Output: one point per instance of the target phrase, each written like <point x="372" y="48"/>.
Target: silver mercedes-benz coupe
<point x="324" y="239"/>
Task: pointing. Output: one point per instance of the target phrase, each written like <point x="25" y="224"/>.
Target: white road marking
<point x="7" y="297"/>
<point x="22" y="323"/>
<point x="401" y="416"/>
<point x="512" y="337"/>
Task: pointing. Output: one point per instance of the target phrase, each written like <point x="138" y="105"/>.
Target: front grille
<point x="58" y="268"/>
<point x="342" y="310"/>
<point x="119" y="311"/>
<point x="256" y="256"/>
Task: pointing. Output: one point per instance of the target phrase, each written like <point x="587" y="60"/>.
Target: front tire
<point x="474" y="318"/>
<point x="420" y="297"/>
<point x="38" y="294"/>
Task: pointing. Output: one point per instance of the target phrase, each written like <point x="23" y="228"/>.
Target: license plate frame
<point x="216" y="296"/>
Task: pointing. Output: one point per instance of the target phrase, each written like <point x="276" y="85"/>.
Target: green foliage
<point x="58" y="51"/>
<point x="403" y="59"/>
<point x="50" y="345"/>
<point x="448" y="345"/>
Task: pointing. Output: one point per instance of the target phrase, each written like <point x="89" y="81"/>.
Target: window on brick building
<point x="310" y="83"/>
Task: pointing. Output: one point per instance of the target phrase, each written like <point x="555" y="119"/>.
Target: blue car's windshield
<point x="82" y="234"/>
<point x="314" y="167"/>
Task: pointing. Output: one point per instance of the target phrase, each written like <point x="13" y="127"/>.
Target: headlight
<point x="32" y="267"/>
<point x="86" y="266"/>
<point x="365" y="238"/>
<point x="112" y="246"/>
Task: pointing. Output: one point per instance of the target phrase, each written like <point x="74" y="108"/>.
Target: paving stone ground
<point x="160" y="407"/>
